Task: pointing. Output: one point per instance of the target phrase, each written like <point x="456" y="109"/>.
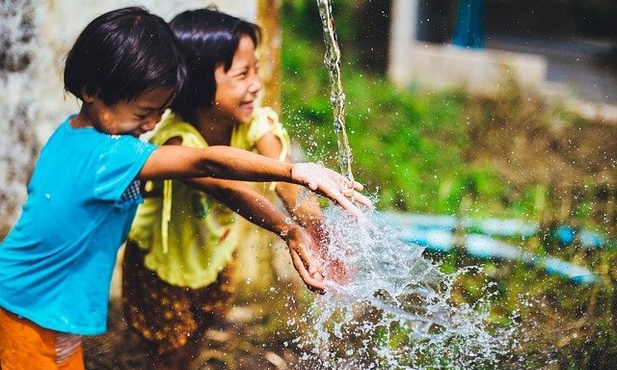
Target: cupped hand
<point x="337" y="266"/>
<point x="309" y="267"/>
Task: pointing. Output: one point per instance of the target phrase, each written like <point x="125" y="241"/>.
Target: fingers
<point x="332" y="185"/>
<point x="347" y="203"/>
<point x="317" y="286"/>
<point x="308" y="268"/>
<point x="343" y="201"/>
<point x="350" y="189"/>
<point x="362" y="199"/>
<point x="299" y="243"/>
<point x="314" y="282"/>
<point x="356" y="196"/>
<point x="349" y="184"/>
<point x="306" y="260"/>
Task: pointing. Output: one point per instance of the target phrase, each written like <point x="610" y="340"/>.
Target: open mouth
<point x="246" y="105"/>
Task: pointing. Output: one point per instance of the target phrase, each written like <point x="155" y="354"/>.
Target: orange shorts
<point x="27" y="346"/>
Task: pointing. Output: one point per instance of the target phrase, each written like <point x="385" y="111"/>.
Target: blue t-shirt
<point x="57" y="261"/>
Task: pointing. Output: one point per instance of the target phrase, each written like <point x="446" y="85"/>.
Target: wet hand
<point x="335" y="258"/>
<point x="332" y="185"/>
<point x="309" y="268"/>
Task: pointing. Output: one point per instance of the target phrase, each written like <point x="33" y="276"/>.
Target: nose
<point x="150" y="123"/>
<point x="256" y="84"/>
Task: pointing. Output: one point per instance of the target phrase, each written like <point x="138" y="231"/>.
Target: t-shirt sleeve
<point x="119" y="164"/>
<point x="267" y="121"/>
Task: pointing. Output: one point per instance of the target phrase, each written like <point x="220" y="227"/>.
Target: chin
<point x="243" y="120"/>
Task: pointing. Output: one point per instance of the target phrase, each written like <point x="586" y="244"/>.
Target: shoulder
<point x="265" y="120"/>
<point x="172" y="126"/>
<point x="89" y="141"/>
<point x="265" y="115"/>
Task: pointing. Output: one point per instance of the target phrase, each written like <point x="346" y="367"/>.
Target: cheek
<point x="106" y="116"/>
<point x="226" y="97"/>
<point x="157" y="117"/>
<point x="219" y="94"/>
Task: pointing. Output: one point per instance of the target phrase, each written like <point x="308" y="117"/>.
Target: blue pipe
<point x="435" y="233"/>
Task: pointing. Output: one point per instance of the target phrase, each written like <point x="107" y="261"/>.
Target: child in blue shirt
<point x="56" y="262"/>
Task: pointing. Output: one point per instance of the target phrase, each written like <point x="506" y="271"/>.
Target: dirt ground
<point x="242" y="340"/>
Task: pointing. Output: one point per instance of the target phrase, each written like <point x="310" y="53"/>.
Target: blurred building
<point x="564" y="48"/>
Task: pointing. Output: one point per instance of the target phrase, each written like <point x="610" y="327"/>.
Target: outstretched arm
<point x="175" y="161"/>
<point x="305" y="209"/>
<point x="253" y="206"/>
<point x="302" y="205"/>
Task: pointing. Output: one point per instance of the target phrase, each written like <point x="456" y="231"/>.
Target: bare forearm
<point x="300" y="203"/>
<point x="175" y="161"/>
<point x="244" y="165"/>
<point x="253" y="206"/>
<point x="258" y="209"/>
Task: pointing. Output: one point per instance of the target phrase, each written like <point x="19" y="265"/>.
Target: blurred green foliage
<point x="414" y="142"/>
<point x="512" y="154"/>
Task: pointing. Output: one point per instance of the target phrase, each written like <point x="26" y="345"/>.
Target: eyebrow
<point x="240" y="66"/>
<point x="165" y="105"/>
<point x="244" y="67"/>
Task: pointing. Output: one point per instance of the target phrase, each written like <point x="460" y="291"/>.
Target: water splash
<point x="388" y="307"/>
<point x="332" y="60"/>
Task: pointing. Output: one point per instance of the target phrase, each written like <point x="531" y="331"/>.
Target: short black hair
<point x="207" y="39"/>
<point x="122" y="54"/>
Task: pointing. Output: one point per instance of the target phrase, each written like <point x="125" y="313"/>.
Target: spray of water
<point x="388" y="307"/>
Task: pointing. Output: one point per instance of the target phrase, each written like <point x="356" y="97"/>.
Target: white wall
<point x="437" y="66"/>
<point x="60" y="22"/>
<point x="33" y="100"/>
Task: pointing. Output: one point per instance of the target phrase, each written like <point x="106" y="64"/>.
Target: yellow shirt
<point x="189" y="237"/>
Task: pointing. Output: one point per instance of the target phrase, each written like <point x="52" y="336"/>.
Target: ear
<point x="87" y="98"/>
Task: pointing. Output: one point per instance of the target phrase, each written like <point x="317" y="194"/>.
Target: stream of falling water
<point x="387" y="306"/>
<point x="332" y="60"/>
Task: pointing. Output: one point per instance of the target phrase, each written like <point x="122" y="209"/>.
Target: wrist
<point x="286" y="229"/>
<point x="290" y="171"/>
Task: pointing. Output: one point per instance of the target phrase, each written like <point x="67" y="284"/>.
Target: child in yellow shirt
<point x="177" y="273"/>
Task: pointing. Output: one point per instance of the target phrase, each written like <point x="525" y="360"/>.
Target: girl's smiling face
<point x="134" y="117"/>
<point x="237" y="89"/>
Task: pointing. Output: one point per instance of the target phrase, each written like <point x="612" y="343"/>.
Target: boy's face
<point x="236" y="89"/>
<point x="127" y="118"/>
